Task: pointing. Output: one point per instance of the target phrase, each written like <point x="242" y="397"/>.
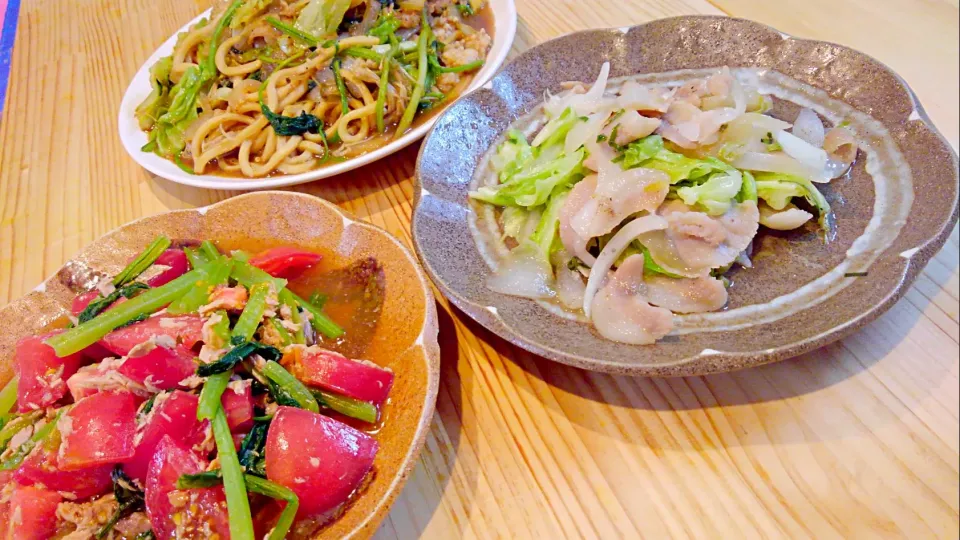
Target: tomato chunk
<point x="33" y="514"/>
<point x="41" y="467"/>
<point x="358" y="379"/>
<point x="322" y="460"/>
<point x="103" y="377"/>
<point x="237" y="404"/>
<point x="98" y="429"/>
<point x="82" y="300"/>
<point x="193" y="513"/>
<point x="184" y="329"/>
<point x="159" y="366"/>
<point x="42" y="374"/>
<point x="174" y="415"/>
<point x="176" y="261"/>
<point x="285" y="262"/>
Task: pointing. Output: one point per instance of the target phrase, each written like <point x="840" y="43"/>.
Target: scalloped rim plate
<point x="839" y="79"/>
<point x="505" y="28"/>
<point x="405" y="338"/>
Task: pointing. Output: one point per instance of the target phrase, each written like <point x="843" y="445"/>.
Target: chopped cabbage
<point x="321" y="18"/>
<point x="716" y="195"/>
<point x="649" y="152"/>
<point x="556" y="130"/>
<point x="533" y="185"/>
<point x="547" y="230"/>
<point x="777" y="190"/>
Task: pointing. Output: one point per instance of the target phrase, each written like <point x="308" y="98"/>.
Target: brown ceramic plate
<point x="798" y="296"/>
<point x="405" y="338"/>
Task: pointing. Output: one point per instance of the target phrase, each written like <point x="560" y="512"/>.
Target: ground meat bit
<point x="407" y="19"/>
<point x="447" y="82"/>
<point x="90" y="516"/>
<point x="446" y="30"/>
<point x="439" y="6"/>
<point x="467" y="50"/>
<point x="132" y="525"/>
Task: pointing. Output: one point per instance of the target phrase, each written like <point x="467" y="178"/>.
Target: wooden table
<point x="855" y="440"/>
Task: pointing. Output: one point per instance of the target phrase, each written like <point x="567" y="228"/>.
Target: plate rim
<point x="694" y="365"/>
<point x="132" y="138"/>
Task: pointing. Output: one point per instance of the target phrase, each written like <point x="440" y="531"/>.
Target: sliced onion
<point x="809" y="127"/>
<point x="524" y="272"/>
<point x="584" y="132"/>
<point x="787" y="219"/>
<point x="612" y="251"/>
<point x="841" y="146"/>
<point x="811" y="157"/>
<point x="582" y="103"/>
<point x="776" y="163"/>
<point x="570" y="287"/>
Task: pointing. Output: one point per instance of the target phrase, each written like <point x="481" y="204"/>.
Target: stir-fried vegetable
<point x="418" y="90"/>
<point x="237" y="355"/>
<point x="322" y="17"/>
<point x="293" y="387"/>
<point x="354" y="408"/>
<point x="129" y="499"/>
<point x="143" y="261"/>
<point x="238" y="505"/>
<point x="8" y="398"/>
<point x="27" y="446"/>
<point x="214" y="273"/>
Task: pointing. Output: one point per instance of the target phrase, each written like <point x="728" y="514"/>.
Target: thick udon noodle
<point x="234" y="136"/>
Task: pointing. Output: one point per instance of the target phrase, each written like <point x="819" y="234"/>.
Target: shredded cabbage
<point x="513" y="219"/>
<point x="154" y="106"/>
<point x="642" y="150"/>
<point x="533" y="185"/>
<point x="777" y="190"/>
<point x="547" y="230"/>
<point x="512" y="156"/>
<point x="556" y="130"/>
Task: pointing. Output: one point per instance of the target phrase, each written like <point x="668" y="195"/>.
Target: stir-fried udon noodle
<point x="269" y="86"/>
<point x="632" y="201"/>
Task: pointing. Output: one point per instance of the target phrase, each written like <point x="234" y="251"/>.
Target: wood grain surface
<point x="859" y="439"/>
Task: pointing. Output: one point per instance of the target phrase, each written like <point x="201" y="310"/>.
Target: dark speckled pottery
<point x="901" y="212"/>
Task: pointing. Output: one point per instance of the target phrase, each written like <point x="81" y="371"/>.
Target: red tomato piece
<point x="194" y="513"/>
<point x="173" y="415"/>
<point x="285" y="262"/>
<point x="358" y="379"/>
<point x="160" y="367"/>
<point x="237" y="401"/>
<point x="42" y="374"/>
<point x="176" y="261"/>
<point x="33" y="514"/>
<point x="185" y="329"/>
<point x="41" y="467"/>
<point x="103" y="377"/>
<point x="83" y="300"/>
<point x="98" y="429"/>
<point x="322" y="460"/>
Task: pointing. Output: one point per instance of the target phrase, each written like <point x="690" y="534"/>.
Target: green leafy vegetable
<point x="639" y="151"/>
<point x="651" y="266"/>
<point x="293" y="32"/>
<point x="85" y="334"/>
<point x="94" y="308"/>
<point x="128" y="497"/>
<point x="341" y="87"/>
<point x="778" y="189"/>
<point x="512" y="156"/>
<point x="252" y="455"/>
<point x="555" y="131"/>
<point x="354" y="408"/>
<point x="716" y="194"/>
<point x="143" y="261"/>
<point x="202" y="480"/>
<point x="292" y="125"/>
<point x="321" y="18"/>
<point x="386" y="27"/>
<point x="291" y="385"/>
<point x="152" y="107"/>
<point x="246" y="12"/>
<point x="238" y="505"/>
<point x="212" y="392"/>
<point x="213" y="274"/>
<point x="237" y="355"/>
<point x="749" y="190"/>
<point x="318" y="319"/>
<point x="421" y="85"/>
<point x="547" y="230"/>
<point x="533" y="185"/>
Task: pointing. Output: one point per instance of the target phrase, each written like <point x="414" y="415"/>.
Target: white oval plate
<point x="505" y="27"/>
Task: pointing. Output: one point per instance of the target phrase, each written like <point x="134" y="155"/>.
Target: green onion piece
<point x="85" y="334"/>
<point x="347" y="406"/>
<point x="238" y="506"/>
<point x="248" y="275"/>
<point x="210" y="250"/>
<point x="249" y="320"/>
<point x="38" y="436"/>
<point x="407" y="119"/>
<point x="285" y="337"/>
<point x="276" y="491"/>
<point x="286" y="298"/>
<point x="291" y="385"/>
<point x="320" y="321"/>
<point x="291" y="31"/>
<point x="363" y="52"/>
<point x="196" y="258"/>
<point x="215" y="273"/>
<point x="8" y="396"/>
<point x="15" y="425"/>
<point x="341" y="87"/>
<point x="210" y="396"/>
<point x="143" y="261"/>
<point x="382" y="90"/>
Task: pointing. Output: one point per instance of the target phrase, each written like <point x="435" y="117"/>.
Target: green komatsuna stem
<point x="143" y="261"/>
<point x="285" y="337"/>
<point x="276" y="491"/>
<point x="85" y="334"/>
<point x="291" y="385"/>
<point x="196" y="258"/>
<point x="252" y="314"/>
<point x="354" y="408"/>
<point x="211" y="393"/>
<point x="320" y="321"/>
<point x="238" y="505"/>
<point x="407" y="119"/>
<point x="216" y="273"/>
<point x="8" y="396"/>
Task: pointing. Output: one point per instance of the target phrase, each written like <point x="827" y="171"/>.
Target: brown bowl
<point x="901" y="221"/>
<point x="405" y="338"/>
